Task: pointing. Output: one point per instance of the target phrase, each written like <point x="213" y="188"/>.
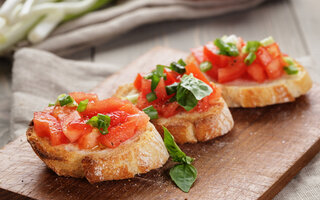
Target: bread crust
<point x="140" y="154"/>
<point x="249" y="94"/>
<point x="191" y="127"/>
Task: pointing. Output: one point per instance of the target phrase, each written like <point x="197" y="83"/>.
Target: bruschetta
<point x="252" y="73"/>
<point x="180" y="98"/>
<point x="82" y="136"/>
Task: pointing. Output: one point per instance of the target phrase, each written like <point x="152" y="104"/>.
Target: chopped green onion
<point x="250" y="58"/>
<point x="155" y="76"/>
<point x="205" y="66"/>
<point x="151" y="96"/>
<point x="251" y="46"/>
<point x="133" y="98"/>
<point x="291" y="69"/>
<point x="267" y="41"/>
<point x="100" y="121"/>
<point x="228" y="49"/>
<point x="288" y="60"/>
<point x="151" y="112"/>
<point x="82" y="105"/>
<point x="64" y="99"/>
<point x="51" y="104"/>
<point x="230" y="39"/>
<point x="170" y="89"/>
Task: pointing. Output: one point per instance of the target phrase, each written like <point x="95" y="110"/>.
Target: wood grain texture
<point x="266" y="148"/>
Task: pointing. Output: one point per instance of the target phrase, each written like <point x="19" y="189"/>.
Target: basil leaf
<point x="156" y="75"/>
<point x="197" y="87"/>
<point x="82" y="105"/>
<point x="184" y="175"/>
<point x="65" y="100"/>
<point x="100" y="121"/>
<point x="151" y="96"/>
<point x="185" y="98"/>
<point x="178" y="67"/>
<point x="205" y="66"/>
<point x="228" y="49"/>
<point x="291" y="69"/>
<point x="151" y="112"/>
<point x="175" y="152"/>
<point x="171" y="89"/>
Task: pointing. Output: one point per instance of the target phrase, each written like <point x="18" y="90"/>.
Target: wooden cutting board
<point x="265" y="149"/>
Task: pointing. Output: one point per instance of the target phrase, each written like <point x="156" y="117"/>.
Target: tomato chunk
<point x="198" y="54"/>
<point x="89" y="140"/>
<point x="274" y="50"/>
<point x="137" y="81"/>
<point x="211" y="52"/>
<point x="80" y="96"/>
<point x="231" y="73"/>
<point x="274" y="69"/>
<point x="257" y="72"/>
<point x="45" y="125"/>
<point x="192" y="68"/>
<point x="263" y="56"/>
<point x="161" y="91"/>
<point x="103" y="106"/>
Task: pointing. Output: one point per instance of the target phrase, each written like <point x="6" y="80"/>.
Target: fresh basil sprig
<point x="190" y="91"/>
<point x="183" y="174"/>
<point x="228" y="49"/>
<point x="100" y="121"/>
<point x="178" y="66"/>
<point x="155" y="77"/>
<point x="251" y="48"/>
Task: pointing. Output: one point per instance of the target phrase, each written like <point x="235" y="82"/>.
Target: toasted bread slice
<point x="140" y="154"/>
<point x="191" y="127"/>
<point x="243" y="93"/>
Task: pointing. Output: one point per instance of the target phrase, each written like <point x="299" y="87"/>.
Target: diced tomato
<point x="137" y="81"/>
<point x="213" y="72"/>
<point x="256" y="72"/>
<point x="263" y="56"/>
<point x="118" y="134"/>
<point x="192" y="68"/>
<point x="161" y="90"/>
<point x="274" y="69"/>
<point x="142" y="102"/>
<point x="74" y="127"/>
<point x="211" y="52"/>
<point x="118" y="117"/>
<point x="231" y="73"/>
<point x="129" y="108"/>
<point x="167" y="110"/>
<point x="45" y="125"/>
<point x="80" y="96"/>
<point x="170" y="78"/>
<point x="216" y="94"/>
<point x="198" y="53"/>
<point x="140" y="118"/>
<point x="145" y="86"/>
<point x="203" y="105"/>
<point x="103" y="106"/>
<point x="60" y="112"/>
<point x="274" y="50"/>
<point x="89" y="140"/>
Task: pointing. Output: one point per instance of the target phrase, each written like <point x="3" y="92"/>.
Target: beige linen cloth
<point x="37" y="82"/>
<point x="102" y="26"/>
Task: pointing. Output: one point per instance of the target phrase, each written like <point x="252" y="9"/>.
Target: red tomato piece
<point x="145" y="86"/>
<point x="211" y="52"/>
<point x="199" y="55"/>
<point x="274" y="69"/>
<point x="256" y="72"/>
<point x="160" y="91"/>
<point x="74" y="127"/>
<point x="167" y="110"/>
<point x="130" y="109"/>
<point x="274" y="50"/>
<point x="192" y="68"/>
<point x="118" y="117"/>
<point x="171" y="78"/>
<point x="263" y="56"/>
<point x="46" y="125"/>
<point x="231" y="73"/>
<point x="80" y="96"/>
<point x="213" y="73"/>
<point x="104" y="106"/>
<point x="137" y="82"/>
<point x="118" y="134"/>
<point x="89" y="140"/>
<point x="60" y="112"/>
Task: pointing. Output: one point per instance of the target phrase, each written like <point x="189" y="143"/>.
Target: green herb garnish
<point x="205" y="66"/>
<point x="65" y="100"/>
<point x="190" y="91"/>
<point x="171" y="89"/>
<point x="51" y="104"/>
<point x="228" y="49"/>
<point x="183" y="174"/>
<point x="251" y="48"/>
<point x="82" y="105"/>
<point x="291" y="69"/>
<point x="151" y="112"/>
<point x="100" y="121"/>
<point x="151" y="96"/>
<point x="178" y="66"/>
